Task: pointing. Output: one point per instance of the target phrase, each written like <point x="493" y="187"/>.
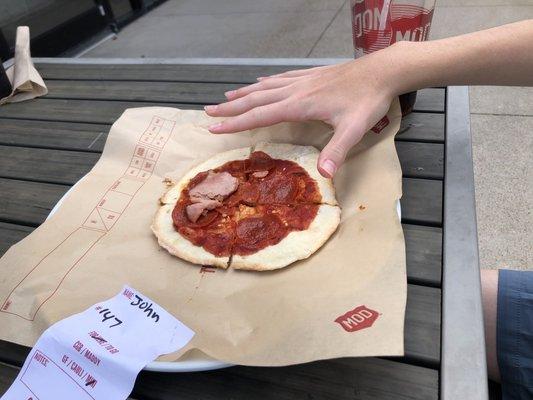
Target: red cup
<point x="377" y="24"/>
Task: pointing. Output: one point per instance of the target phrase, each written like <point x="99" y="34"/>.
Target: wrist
<point x="404" y="70"/>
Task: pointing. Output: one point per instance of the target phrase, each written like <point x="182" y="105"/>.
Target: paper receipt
<point x="98" y="353"/>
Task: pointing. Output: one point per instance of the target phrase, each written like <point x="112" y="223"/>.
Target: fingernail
<point x="260" y="78"/>
<point x="330" y="167"/>
<point x="210" y="108"/>
<point x="215" y="127"/>
<point x="229" y="93"/>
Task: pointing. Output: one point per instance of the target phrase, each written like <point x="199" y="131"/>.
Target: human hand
<point x="351" y="97"/>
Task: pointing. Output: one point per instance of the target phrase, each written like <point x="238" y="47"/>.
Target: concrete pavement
<point x="502" y="118"/>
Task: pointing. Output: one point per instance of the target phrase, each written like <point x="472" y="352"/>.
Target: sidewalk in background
<point x="502" y="118"/>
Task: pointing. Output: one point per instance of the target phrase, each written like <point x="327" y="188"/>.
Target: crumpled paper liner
<point x="347" y="299"/>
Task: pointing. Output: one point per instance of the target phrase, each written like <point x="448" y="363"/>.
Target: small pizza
<point x="259" y="208"/>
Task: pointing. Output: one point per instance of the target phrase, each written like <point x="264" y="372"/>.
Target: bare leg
<point x="489" y="291"/>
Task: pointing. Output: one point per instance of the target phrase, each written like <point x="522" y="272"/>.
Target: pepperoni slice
<point x="219" y="243"/>
<point x="277" y="189"/>
<point x="258" y="232"/>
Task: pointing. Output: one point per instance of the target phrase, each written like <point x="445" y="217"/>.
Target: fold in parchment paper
<point x="25" y="80"/>
<point x="348" y="299"/>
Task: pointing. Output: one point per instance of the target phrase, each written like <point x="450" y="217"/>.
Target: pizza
<point x="259" y="208"/>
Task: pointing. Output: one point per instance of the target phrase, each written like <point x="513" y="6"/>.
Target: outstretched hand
<point x="351" y="97"/>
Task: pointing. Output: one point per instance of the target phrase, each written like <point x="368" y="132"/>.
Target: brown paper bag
<point x="348" y="299"/>
<point x="25" y="80"/>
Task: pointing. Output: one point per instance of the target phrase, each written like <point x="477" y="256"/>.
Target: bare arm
<point x="497" y="56"/>
<point x="353" y="96"/>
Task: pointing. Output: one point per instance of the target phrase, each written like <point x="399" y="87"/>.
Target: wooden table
<point x="48" y="144"/>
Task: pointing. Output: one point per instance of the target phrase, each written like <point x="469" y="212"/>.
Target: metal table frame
<point x="463" y="359"/>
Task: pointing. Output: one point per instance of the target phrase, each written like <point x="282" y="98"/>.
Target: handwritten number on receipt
<point x="107" y="315"/>
<point x="146" y="307"/>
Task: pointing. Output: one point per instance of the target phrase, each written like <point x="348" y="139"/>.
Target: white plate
<point x="202" y="363"/>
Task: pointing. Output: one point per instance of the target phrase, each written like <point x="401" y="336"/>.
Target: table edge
<point x="463" y="360"/>
<point x="310" y="62"/>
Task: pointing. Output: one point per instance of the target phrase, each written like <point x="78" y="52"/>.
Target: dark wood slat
<point x="11" y="234"/>
<point x="182" y="92"/>
<point x="45" y="165"/>
<point x="424" y="254"/>
<point x="422" y="202"/>
<point x="422" y="324"/>
<point x="428" y="99"/>
<point x="169" y="73"/>
<point x="50" y="134"/>
<point x="332" y="379"/>
<point x="8" y="374"/>
<point x="28" y="203"/>
<point x="12" y="353"/>
<point x="340" y="379"/>
<point x="176" y="92"/>
<point x="422" y="127"/>
<point x="91" y="137"/>
<point x="92" y="111"/>
<point x="431" y="100"/>
<point x="72" y="110"/>
<point x="421" y="160"/>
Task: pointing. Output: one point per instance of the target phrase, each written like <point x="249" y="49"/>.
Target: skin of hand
<point x="350" y="97"/>
<point x="353" y="96"/>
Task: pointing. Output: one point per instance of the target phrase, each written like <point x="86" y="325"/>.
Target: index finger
<point x="257" y="117"/>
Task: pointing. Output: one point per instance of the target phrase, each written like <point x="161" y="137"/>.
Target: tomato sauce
<point x="285" y="200"/>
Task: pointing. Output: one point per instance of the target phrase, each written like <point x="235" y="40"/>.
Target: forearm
<point x="497" y="56"/>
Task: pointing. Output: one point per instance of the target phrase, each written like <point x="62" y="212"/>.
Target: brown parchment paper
<point x="25" y="80"/>
<point x="100" y="239"/>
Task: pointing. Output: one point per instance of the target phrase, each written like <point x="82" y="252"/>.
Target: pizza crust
<point x="307" y="158"/>
<point x="179" y="246"/>
<point x="298" y="245"/>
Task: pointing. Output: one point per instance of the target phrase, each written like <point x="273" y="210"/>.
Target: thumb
<point x="333" y="155"/>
